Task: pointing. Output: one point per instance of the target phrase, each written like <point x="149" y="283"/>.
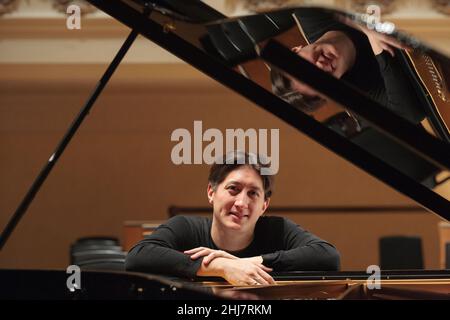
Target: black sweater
<point x="283" y="245"/>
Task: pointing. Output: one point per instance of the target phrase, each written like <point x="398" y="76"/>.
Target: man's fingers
<point x="210" y="257"/>
<point x="266" y="269"/>
<point x="395" y="43"/>
<point x="388" y="49"/>
<point x="191" y="251"/>
<point x="267" y="278"/>
<point x="260" y="280"/>
<point x="210" y="254"/>
<point x="229" y="255"/>
<point x="217" y="254"/>
<point x="199" y="254"/>
<point x="385" y="41"/>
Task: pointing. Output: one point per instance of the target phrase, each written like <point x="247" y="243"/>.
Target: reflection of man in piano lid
<point x="238" y="244"/>
<point x="333" y="53"/>
<point x="341" y="54"/>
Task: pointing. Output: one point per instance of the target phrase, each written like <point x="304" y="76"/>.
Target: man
<point x="238" y="244"/>
<point x="361" y="57"/>
<point x="367" y="60"/>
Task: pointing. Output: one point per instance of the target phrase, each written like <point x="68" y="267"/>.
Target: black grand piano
<point x="357" y="123"/>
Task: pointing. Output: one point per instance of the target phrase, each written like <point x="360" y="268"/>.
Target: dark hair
<point x="235" y="159"/>
<point x="282" y="87"/>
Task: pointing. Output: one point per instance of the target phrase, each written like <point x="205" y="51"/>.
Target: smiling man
<point x="238" y="244"/>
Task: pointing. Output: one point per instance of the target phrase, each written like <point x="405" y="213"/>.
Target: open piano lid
<point x="240" y="52"/>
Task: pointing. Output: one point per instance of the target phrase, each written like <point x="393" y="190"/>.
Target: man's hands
<point x="237" y="271"/>
<point x="378" y="41"/>
<point x="209" y="254"/>
<point x="244" y="272"/>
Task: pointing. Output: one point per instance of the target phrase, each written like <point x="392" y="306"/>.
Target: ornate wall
<point x="394" y="7"/>
<point x="31" y="26"/>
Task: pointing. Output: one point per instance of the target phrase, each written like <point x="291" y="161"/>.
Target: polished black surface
<point x="400" y="153"/>
<point x="109" y="285"/>
<point x="52" y="285"/>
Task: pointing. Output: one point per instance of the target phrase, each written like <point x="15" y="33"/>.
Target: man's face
<point x="239" y="200"/>
<point x="325" y="56"/>
<point x="313" y="53"/>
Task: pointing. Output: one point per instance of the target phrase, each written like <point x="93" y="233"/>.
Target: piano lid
<point x="388" y="114"/>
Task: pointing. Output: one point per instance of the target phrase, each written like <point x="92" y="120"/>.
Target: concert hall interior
<point x="118" y="176"/>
